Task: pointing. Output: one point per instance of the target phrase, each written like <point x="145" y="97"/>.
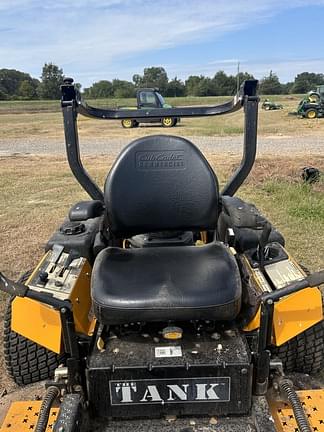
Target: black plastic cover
<point x="131" y="361"/>
<point x="247" y="223"/>
<point x="161" y="183"/>
<point x="84" y="210"/>
<point x="81" y="242"/>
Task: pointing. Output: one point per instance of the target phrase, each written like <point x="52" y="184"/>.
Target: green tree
<point x="51" y="80"/>
<point x="152" y="77"/>
<point x="175" y="88"/>
<point x="100" y="89"/>
<point x="270" y="84"/>
<point x="206" y="87"/>
<point x="287" y="87"/>
<point x="224" y="85"/>
<point x="192" y="84"/>
<point x="123" y="89"/>
<point x="10" y="81"/>
<point x="307" y="81"/>
<point x="27" y="90"/>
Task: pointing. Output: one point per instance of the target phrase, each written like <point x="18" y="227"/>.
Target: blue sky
<point x="104" y="39"/>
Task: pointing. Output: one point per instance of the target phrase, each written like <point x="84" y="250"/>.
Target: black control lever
<point x="17" y="289"/>
<point x="263" y="241"/>
<point x="71" y="257"/>
<point x="11" y="287"/>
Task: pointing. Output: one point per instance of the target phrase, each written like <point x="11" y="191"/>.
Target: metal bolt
<point x="230" y="333"/>
<point x="244" y="371"/>
<point x="63" y="310"/>
<point x="216" y="336"/>
<point x="269" y="301"/>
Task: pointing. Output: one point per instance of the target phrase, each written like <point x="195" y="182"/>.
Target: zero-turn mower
<point x="268" y="105"/>
<point x="312" y="105"/>
<point x="163" y="303"/>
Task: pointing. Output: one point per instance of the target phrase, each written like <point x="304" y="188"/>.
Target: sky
<point x="105" y="39"/>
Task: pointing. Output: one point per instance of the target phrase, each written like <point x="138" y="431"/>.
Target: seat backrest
<point x="161" y="183"/>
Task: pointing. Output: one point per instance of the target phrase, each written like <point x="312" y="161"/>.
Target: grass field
<point x="38" y="191"/>
<point x="28" y="119"/>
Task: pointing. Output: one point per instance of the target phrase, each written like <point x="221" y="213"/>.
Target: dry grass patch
<point x="27" y="119"/>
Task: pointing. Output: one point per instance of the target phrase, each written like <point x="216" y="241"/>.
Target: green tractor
<point x="312" y="105"/>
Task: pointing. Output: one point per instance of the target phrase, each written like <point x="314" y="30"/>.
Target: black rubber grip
<point x="11" y="287"/>
<point x="316" y="279"/>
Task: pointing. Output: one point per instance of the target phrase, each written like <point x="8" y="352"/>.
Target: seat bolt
<point x="244" y="371"/>
<point x="216" y="336"/>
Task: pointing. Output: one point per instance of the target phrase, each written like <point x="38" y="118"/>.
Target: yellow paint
<point x="42" y="324"/>
<point x="167" y="121"/>
<point x="172" y="335"/>
<point x="313" y="404"/>
<point x="37" y="322"/>
<point x="296" y="313"/>
<point x="292" y="315"/>
<point x="23" y="415"/>
<point x="81" y="300"/>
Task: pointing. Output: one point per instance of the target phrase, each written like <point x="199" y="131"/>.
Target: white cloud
<point x="91" y="35"/>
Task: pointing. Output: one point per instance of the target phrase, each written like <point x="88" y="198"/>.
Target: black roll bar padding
<point x="73" y="153"/>
<point x="72" y="105"/>
<point x="249" y="147"/>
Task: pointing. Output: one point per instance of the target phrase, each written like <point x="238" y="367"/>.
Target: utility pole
<point x="238" y="77"/>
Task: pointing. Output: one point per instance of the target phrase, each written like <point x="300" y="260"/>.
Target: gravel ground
<point x="284" y="145"/>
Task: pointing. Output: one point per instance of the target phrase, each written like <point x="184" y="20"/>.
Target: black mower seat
<point x="170" y="283"/>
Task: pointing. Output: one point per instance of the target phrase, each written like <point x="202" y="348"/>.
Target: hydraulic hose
<point x="51" y="394"/>
<point x="300" y="416"/>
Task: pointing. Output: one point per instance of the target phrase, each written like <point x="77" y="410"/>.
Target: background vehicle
<point x="312" y="105"/>
<point x="269" y="105"/>
<point x="149" y="98"/>
<point x="163" y="295"/>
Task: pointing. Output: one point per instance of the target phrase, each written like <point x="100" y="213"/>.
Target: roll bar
<point x="72" y="104"/>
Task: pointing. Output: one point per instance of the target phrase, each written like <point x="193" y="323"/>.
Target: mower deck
<point x="22" y="417"/>
<point x="313" y="404"/>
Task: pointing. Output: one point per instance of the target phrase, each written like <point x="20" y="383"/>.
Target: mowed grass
<point x="29" y="119"/>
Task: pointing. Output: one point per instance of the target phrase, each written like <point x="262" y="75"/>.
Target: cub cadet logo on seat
<point x="160" y="160"/>
<point x="162" y="391"/>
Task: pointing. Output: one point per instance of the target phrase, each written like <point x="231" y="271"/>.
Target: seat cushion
<point x="169" y="283"/>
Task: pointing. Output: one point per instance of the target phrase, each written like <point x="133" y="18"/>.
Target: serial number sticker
<point x="171" y="351"/>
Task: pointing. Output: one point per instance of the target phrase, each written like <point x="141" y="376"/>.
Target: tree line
<point x="20" y="85"/>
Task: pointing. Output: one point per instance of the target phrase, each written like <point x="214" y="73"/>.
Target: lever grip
<point x="11" y="287"/>
<point x="316" y="279"/>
